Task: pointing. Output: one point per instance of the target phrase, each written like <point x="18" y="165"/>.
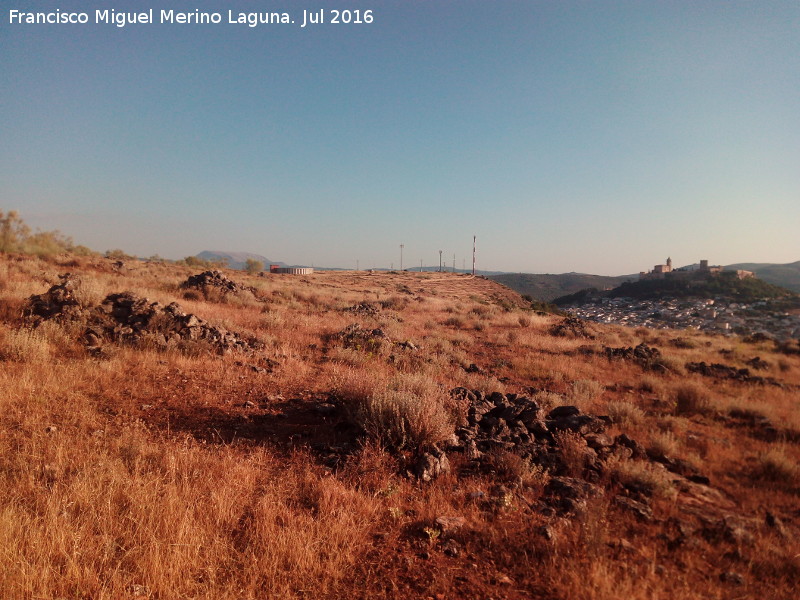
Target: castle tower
<point x="669" y="264"/>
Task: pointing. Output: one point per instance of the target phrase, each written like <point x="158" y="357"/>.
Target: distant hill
<point x="549" y="287"/>
<point x="787" y="275"/>
<point x="725" y="285"/>
<point x="236" y="260"/>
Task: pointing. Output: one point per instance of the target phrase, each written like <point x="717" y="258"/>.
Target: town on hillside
<point x="696" y="272"/>
<point x="703" y="311"/>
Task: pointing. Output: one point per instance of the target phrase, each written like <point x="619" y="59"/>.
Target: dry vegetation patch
<point x="332" y="460"/>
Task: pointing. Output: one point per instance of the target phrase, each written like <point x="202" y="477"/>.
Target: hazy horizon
<point x="589" y="137"/>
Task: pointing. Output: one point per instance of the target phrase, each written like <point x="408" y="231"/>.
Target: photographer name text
<point x="325" y="16"/>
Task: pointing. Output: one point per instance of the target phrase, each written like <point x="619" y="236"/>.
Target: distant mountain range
<point x="550" y="287"/>
<point x="236" y="260"/>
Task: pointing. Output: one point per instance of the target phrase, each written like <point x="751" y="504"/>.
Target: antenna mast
<point x="474" y="239"/>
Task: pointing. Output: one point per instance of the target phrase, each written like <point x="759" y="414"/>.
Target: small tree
<point x="13" y="231"/>
<point x="253" y="266"/>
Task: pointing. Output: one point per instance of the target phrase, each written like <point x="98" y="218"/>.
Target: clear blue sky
<point x="568" y="136"/>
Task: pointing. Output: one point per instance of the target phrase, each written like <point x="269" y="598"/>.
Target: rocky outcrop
<point x="640" y="353"/>
<point x="720" y="371"/>
<point x="572" y="327"/>
<point x="130" y="319"/>
<point x="215" y="280"/>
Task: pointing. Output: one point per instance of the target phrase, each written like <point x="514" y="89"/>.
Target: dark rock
<point x="451" y="548"/>
<point x="560" y="412"/>
<point x="775" y="523"/>
<point x="214" y="279"/>
<point x="326" y="409"/>
<point x="643" y="512"/>
<point x="431" y="465"/>
<point x="582" y="424"/>
<point x="598" y="441"/>
<point x="450" y="524"/>
<point x="757" y="363"/>
<point x="637" y="450"/>
<point x="570" y="487"/>
<point x="731" y="577"/>
<point x="571" y="326"/>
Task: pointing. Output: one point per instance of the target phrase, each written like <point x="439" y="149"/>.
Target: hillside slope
<point x="386" y="435"/>
<point x="549" y="287"/>
<point x="785" y="275"/>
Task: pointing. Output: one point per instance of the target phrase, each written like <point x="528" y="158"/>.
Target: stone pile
<point x="510" y="422"/>
<point x="497" y="423"/>
<point x="59" y="301"/>
<point x="214" y="279"/>
<point x="720" y="371"/>
<point x="131" y="319"/>
<point x="642" y="354"/>
<point x="358" y="338"/>
<point x="364" y="308"/>
<point x="571" y="327"/>
<point x="757" y="363"/>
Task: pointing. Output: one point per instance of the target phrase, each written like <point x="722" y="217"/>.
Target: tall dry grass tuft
<point x="776" y="466"/>
<point x="584" y="392"/>
<point x="643" y="475"/>
<point x="692" y="398"/>
<point x="407" y="411"/>
<point x="25" y="345"/>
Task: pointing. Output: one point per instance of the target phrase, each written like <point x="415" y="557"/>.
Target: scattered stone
<point x="720" y="371"/>
<point x="623" y="545"/>
<point x="451" y="548"/>
<point x="548" y="532"/>
<point x="138" y="590"/>
<point x="757" y="363"/>
<point x="450" y="524"/>
<point x="642" y="512"/>
<point x="50" y="429"/>
<point x="730" y="529"/>
<point x="731" y="577"/>
<point x="431" y="464"/>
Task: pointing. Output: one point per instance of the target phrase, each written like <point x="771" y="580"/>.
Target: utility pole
<point x="401" y="255"/>
<point x="440" y="261"/>
<point x="474" y="239"/>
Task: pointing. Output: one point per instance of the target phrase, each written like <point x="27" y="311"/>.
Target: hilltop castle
<point x="703" y="271"/>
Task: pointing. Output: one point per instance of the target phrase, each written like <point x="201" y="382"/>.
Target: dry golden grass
<point x="184" y="474"/>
